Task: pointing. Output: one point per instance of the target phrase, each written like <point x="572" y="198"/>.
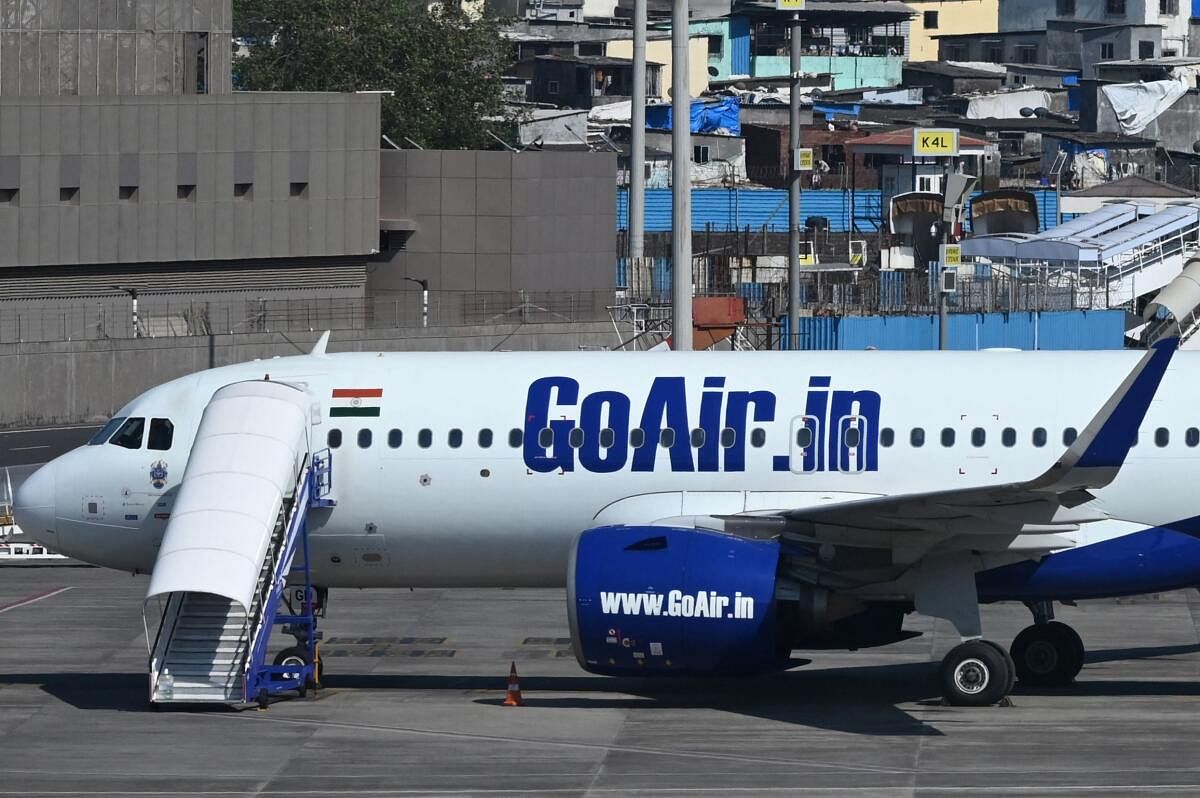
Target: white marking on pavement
<point x="27" y="448"/>
<point x="25" y="602"/>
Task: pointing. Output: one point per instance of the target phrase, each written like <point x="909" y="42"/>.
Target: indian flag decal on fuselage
<point x="355" y="402"/>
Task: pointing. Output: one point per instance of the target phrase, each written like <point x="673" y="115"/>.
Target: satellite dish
<point x="713" y="71"/>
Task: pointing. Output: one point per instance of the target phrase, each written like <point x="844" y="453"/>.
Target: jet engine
<point x="650" y="600"/>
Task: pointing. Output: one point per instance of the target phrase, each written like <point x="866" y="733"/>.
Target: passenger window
<point x="947" y="436"/>
<point x="887" y="436"/>
<point x="364" y="439"/>
<point x="1039" y="436"/>
<point x="803" y="438"/>
<point x="485" y="439"/>
<point x="1192" y="436"/>
<point x="334" y="439"/>
<point x="454" y="438"/>
<point x="728" y="437"/>
<point x="575" y="437"/>
<point x="666" y="438"/>
<point x="608" y="438"/>
<point x="917" y="437"/>
<point x="1162" y="436"/>
<point x="545" y="437"/>
<point x="395" y="438"/>
<point x="637" y="437"/>
<point x="851" y="438"/>
<point x="129" y="435"/>
<point x="425" y="438"/>
<point x="162" y="433"/>
<point x="1069" y="436"/>
<point x="106" y="432"/>
<point x="1008" y="436"/>
<point x="697" y="437"/>
<point x="978" y="437"/>
<point x="515" y="438"/>
<point x="758" y="437"/>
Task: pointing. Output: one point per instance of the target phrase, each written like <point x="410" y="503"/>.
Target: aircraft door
<point x="852" y="444"/>
<point x="805" y="446"/>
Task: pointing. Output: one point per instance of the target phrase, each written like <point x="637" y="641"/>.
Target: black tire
<point x="974" y="674"/>
<point x="1048" y="654"/>
<point x="1008" y="660"/>
<point x="296" y="655"/>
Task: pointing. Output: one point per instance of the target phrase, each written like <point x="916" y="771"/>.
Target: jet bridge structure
<point x="1110" y="257"/>
<point x="236" y="536"/>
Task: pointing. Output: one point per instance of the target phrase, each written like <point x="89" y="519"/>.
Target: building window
<point x="716" y="46"/>
<point x="994" y="52"/>
<point x="195" y="57"/>
<point x="1145" y="50"/>
<point x="1065" y="8"/>
<point x="1169" y="53"/>
<point x="1027" y="53"/>
<point x="931" y="20"/>
<point x="299" y="190"/>
<point x="552" y="87"/>
<point x="186" y="192"/>
<point x="1106" y="51"/>
<point x="243" y="191"/>
<point x="956" y="52"/>
<point x="700" y="153"/>
<point x="1114" y="8"/>
<point x="8" y="196"/>
<point x="69" y="195"/>
<point x="1168" y="8"/>
<point x="127" y="193"/>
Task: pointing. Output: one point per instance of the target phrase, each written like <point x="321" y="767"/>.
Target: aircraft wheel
<point x="975" y="674"/>
<point x="1048" y="654"/>
<point x="298" y="656"/>
<point x="1008" y="660"/>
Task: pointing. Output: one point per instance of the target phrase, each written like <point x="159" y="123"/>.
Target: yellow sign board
<point x="789" y="5"/>
<point x="935" y="141"/>
<point x="951" y="255"/>
<point x="804" y="159"/>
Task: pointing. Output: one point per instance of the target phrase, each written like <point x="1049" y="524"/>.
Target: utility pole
<point x="681" y="180"/>
<point x="794" y="188"/>
<point x="637" y="137"/>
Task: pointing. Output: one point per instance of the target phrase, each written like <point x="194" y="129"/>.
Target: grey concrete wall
<point x="115" y="47"/>
<point x="86" y="381"/>
<point x="1174" y="129"/>
<point x="273" y="142"/>
<point x="1124" y="41"/>
<point x="500" y="221"/>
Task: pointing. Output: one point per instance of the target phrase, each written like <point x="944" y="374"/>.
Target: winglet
<point x="322" y="342"/>
<point x="1098" y="453"/>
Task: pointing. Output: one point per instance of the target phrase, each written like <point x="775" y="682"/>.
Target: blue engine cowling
<point x="652" y="600"/>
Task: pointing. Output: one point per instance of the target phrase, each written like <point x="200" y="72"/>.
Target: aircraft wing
<point x="1045" y="505"/>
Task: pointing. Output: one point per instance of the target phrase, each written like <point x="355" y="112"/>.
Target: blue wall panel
<point x="729" y="209"/>
<point x="1067" y="330"/>
<point x="739" y="40"/>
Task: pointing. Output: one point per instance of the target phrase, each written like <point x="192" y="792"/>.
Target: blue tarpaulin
<point x="708" y="116"/>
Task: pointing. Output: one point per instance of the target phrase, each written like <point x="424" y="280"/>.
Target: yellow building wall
<point x="659" y="51"/>
<point x="954" y="16"/>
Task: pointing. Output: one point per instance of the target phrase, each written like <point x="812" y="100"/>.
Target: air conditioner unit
<point x="949" y="281"/>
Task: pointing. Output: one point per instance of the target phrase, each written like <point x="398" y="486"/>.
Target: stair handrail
<point x="273" y="589"/>
<point x="170" y="616"/>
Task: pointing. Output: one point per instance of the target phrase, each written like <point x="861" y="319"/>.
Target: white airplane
<point x="707" y="512"/>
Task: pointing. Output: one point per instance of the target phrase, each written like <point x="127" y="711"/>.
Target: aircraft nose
<point x="33" y="505"/>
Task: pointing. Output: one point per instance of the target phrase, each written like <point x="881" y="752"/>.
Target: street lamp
<point x="133" y="295"/>
<point x="424" y="298"/>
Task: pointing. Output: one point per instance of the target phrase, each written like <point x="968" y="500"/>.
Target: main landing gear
<point x="977" y="673"/>
<point x="1048" y="653"/>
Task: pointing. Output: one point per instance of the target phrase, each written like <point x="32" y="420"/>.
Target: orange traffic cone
<point x="513" y="697"/>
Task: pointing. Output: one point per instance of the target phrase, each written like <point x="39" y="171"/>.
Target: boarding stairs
<point x="213" y="634"/>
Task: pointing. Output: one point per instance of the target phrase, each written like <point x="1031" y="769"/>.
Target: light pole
<point x="637" y="137"/>
<point x="681" y="180"/>
<point x="133" y="296"/>
<point x="794" y="187"/>
<point x="424" y="298"/>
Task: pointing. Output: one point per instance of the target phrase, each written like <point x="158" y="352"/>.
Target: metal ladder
<point x="209" y="649"/>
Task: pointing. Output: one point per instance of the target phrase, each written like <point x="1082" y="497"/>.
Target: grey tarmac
<point x="413" y="695"/>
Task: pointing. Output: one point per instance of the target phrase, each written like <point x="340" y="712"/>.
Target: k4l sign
<point x="789" y="5"/>
<point x="935" y="141"/>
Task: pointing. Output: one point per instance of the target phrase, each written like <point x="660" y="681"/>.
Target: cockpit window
<point x="130" y="434"/>
<point x="162" y="432"/>
<point x="106" y="431"/>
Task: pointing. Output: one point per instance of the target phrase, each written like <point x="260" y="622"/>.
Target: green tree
<point x="443" y="66"/>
